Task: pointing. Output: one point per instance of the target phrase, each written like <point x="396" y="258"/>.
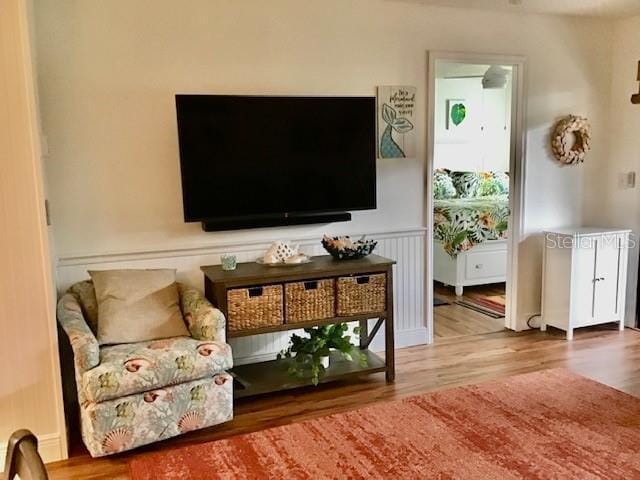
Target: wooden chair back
<point x="23" y="458"/>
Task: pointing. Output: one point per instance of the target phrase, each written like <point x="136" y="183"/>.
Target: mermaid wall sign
<point x="396" y="121"/>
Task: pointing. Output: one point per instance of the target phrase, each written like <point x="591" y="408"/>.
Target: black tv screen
<point x="252" y="156"/>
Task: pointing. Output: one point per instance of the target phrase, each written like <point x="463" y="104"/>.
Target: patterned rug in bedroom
<point x="549" y="424"/>
<point x="491" y="305"/>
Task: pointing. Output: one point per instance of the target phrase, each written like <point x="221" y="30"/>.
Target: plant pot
<point x="325" y="361"/>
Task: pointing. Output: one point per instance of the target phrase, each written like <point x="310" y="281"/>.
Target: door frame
<point x="517" y="174"/>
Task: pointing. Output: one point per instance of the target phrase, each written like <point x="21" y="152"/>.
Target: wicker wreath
<point x="577" y="127"/>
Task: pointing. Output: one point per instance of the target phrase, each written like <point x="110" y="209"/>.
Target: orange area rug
<point x="550" y="424"/>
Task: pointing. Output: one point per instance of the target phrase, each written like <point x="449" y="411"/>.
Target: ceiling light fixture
<point x="495" y="77"/>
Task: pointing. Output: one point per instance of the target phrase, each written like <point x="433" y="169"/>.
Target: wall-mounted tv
<point x="252" y="161"/>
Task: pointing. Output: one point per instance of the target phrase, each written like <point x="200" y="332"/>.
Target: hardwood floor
<point x="457" y="321"/>
<point x="601" y="353"/>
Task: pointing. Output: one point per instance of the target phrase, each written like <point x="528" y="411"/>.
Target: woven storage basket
<point x="311" y="300"/>
<point x="361" y="294"/>
<point x="257" y="307"/>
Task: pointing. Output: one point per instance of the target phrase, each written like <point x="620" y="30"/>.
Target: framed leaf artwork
<point x="456" y="112"/>
<point x="396" y="121"/>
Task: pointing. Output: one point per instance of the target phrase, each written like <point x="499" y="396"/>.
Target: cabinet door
<point x="583" y="286"/>
<point x="607" y="279"/>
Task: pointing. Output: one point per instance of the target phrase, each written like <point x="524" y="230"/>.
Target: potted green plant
<point x="311" y="354"/>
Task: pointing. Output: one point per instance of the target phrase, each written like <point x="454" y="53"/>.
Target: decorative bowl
<point x="343" y="248"/>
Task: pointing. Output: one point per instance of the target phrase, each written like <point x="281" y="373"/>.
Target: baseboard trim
<point x="411" y="338"/>
<point x="50" y="447"/>
<point x="404" y="339"/>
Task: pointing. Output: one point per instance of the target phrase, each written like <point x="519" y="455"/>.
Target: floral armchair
<point x="138" y="393"/>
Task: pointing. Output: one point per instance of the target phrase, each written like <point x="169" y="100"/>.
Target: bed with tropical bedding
<point x="469" y="208"/>
<point x="461" y="223"/>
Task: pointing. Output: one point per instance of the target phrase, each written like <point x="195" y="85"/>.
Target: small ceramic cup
<point x="229" y="262"/>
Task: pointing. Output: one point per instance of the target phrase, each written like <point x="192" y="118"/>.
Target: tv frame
<point x="261" y="220"/>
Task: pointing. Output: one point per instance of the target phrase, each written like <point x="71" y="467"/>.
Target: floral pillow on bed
<point x="443" y="185"/>
<point x="493" y="183"/>
<point x="466" y="183"/>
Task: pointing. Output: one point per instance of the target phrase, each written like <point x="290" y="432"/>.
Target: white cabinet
<point x="584" y="277"/>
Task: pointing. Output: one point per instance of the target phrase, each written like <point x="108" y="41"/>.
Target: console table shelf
<point x="265" y="377"/>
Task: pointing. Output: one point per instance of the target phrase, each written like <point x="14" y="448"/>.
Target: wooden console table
<point x="271" y="376"/>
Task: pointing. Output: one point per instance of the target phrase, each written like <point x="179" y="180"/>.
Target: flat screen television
<point x="252" y="161"/>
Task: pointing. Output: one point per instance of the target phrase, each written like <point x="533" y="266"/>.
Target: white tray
<point x="282" y="264"/>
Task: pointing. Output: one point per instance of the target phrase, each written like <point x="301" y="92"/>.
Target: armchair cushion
<point x="137" y="305"/>
<point x="140" y="367"/>
<point x="128" y="422"/>
<point x="86" y="352"/>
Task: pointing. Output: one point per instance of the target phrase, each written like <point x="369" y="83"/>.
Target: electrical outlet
<point x="627" y="180"/>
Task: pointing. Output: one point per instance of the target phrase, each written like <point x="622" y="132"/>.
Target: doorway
<point x="474" y="193"/>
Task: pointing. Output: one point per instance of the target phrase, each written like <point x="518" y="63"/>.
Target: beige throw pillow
<point x="137" y="305"/>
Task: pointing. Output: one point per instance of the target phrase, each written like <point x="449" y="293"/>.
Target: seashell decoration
<point x="343" y="248"/>
<point x="117" y="440"/>
<point x="192" y="420"/>
<point x="571" y="125"/>
<point x="296" y="259"/>
<point x="279" y="252"/>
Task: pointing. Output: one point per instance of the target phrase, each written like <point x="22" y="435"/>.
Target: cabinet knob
<point x="599" y="279"/>
<point x="478" y="266"/>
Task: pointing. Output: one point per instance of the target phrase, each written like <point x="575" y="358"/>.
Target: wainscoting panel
<point x="406" y="247"/>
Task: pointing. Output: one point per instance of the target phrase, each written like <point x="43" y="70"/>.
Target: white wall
<point x="496" y="134"/>
<point x="481" y="143"/>
<point x="609" y="202"/>
<point x="30" y="391"/>
<point x="109" y="70"/>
